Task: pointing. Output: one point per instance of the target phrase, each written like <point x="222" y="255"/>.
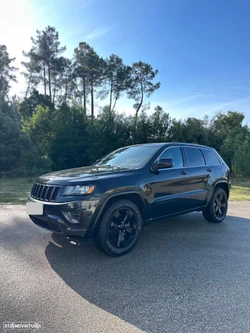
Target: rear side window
<point x="210" y="157"/>
<point x="175" y="154"/>
<point x="194" y="157"/>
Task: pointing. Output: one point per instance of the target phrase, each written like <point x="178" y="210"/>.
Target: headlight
<point x="78" y="190"/>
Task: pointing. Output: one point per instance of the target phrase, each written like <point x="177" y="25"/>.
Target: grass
<point x="16" y="190"/>
<point x="240" y="189"/>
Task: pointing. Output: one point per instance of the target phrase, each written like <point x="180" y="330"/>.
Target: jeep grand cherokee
<point x="111" y="200"/>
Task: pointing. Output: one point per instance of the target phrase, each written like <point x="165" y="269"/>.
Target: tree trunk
<point x="27" y="90"/>
<point x="92" y="100"/>
<point x="114" y="103"/>
<point x="54" y="93"/>
<point x="1" y="87"/>
<point x="84" y="96"/>
<point x="138" y="108"/>
<point x="111" y="97"/>
<point x="49" y="75"/>
<point x="66" y="91"/>
<point x="44" y="79"/>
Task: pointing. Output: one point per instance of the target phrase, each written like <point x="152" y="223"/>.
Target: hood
<point x="92" y="171"/>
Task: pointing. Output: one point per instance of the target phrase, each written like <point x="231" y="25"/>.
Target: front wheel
<point x="216" y="210"/>
<point x="119" y="228"/>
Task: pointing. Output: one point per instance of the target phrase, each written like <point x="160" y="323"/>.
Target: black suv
<point x="113" y="198"/>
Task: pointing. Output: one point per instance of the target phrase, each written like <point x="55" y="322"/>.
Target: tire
<point x="118" y="231"/>
<point x="216" y="210"/>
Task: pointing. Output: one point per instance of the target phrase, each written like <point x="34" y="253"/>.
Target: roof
<point x="161" y="144"/>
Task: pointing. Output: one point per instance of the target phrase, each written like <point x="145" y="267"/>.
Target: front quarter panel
<point x="137" y="183"/>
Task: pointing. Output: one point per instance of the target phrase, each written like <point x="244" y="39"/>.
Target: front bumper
<point x="74" y="218"/>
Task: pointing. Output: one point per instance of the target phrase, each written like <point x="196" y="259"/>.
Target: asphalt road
<point x="185" y="275"/>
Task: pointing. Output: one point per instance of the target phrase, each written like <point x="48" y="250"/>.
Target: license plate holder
<point x="34" y="208"/>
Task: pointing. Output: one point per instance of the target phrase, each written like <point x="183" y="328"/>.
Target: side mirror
<point x="163" y="163"/>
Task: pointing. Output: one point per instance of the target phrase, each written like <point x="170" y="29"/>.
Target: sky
<point x="200" y="47"/>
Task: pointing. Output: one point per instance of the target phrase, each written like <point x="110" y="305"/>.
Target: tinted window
<point x="195" y="157"/>
<point x="175" y="154"/>
<point x="210" y="157"/>
<point x="129" y="157"/>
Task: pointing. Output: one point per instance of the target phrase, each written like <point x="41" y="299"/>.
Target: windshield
<point x="129" y="157"/>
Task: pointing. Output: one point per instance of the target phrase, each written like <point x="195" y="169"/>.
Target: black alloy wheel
<point x="122" y="227"/>
<point x="216" y="210"/>
<point x="220" y="204"/>
<point x="119" y="228"/>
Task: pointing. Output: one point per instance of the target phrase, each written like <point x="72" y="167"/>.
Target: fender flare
<point x="225" y="183"/>
<point x="103" y="205"/>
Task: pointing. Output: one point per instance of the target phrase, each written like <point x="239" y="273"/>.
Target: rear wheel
<point x="119" y="228"/>
<point x="216" y="210"/>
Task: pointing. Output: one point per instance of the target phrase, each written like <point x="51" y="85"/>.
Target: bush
<point x="241" y="161"/>
<point x="16" y="149"/>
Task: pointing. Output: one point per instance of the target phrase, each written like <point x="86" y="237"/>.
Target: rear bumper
<point x="71" y="219"/>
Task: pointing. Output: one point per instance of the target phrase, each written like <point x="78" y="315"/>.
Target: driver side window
<point x="175" y="154"/>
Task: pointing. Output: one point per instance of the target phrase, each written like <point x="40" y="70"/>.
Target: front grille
<point x="44" y="192"/>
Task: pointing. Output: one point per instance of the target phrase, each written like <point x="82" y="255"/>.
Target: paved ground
<point x="185" y="275"/>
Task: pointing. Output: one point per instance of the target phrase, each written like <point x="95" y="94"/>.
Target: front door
<point x="171" y="187"/>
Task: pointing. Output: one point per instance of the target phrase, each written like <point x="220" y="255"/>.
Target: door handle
<point x="210" y="170"/>
<point x="184" y="172"/>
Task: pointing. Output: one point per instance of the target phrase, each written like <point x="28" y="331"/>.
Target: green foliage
<point x="235" y="139"/>
<point x="88" y="74"/>
<point x="112" y="131"/>
<point x="190" y="130"/>
<point x="65" y="137"/>
<point x="117" y="76"/>
<point x="44" y="64"/>
<point x="6" y="72"/>
<point x="29" y="105"/>
<point x="38" y="128"/>
<point x="228" y="122"/>
<point x="86" y="78"/>
<point x="69" y="138"/>
<point x="241" y="158"/>
<point x="154" y="127"/>
<point x="50" y="129"/>
<point x="141" y="85"/>
<point x="16" y="150"/>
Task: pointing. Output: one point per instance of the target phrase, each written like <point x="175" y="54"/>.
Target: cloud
<point x="222" y="106"/>
<point x="184" y="99"/>
<point x="180" y="102"/>
<point x="207" y="105"/>
<point x="98" y="33"/>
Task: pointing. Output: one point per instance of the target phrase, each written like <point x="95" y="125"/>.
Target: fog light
<point x="74" y="205"/>
<point x="73" y="216"/>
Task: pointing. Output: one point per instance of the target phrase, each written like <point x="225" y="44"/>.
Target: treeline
<point x="85" y="78"/>
<point x="54" y="126"/>
<point x="66" y="137"/>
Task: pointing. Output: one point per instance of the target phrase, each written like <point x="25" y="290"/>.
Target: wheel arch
<point x="135" y="197"/>
<point x="224" y="185"/>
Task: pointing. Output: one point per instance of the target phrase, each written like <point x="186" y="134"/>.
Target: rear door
<point x="201" y="176"/>
<point x="171" y="187"/>
<point x="214" y="165"/>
